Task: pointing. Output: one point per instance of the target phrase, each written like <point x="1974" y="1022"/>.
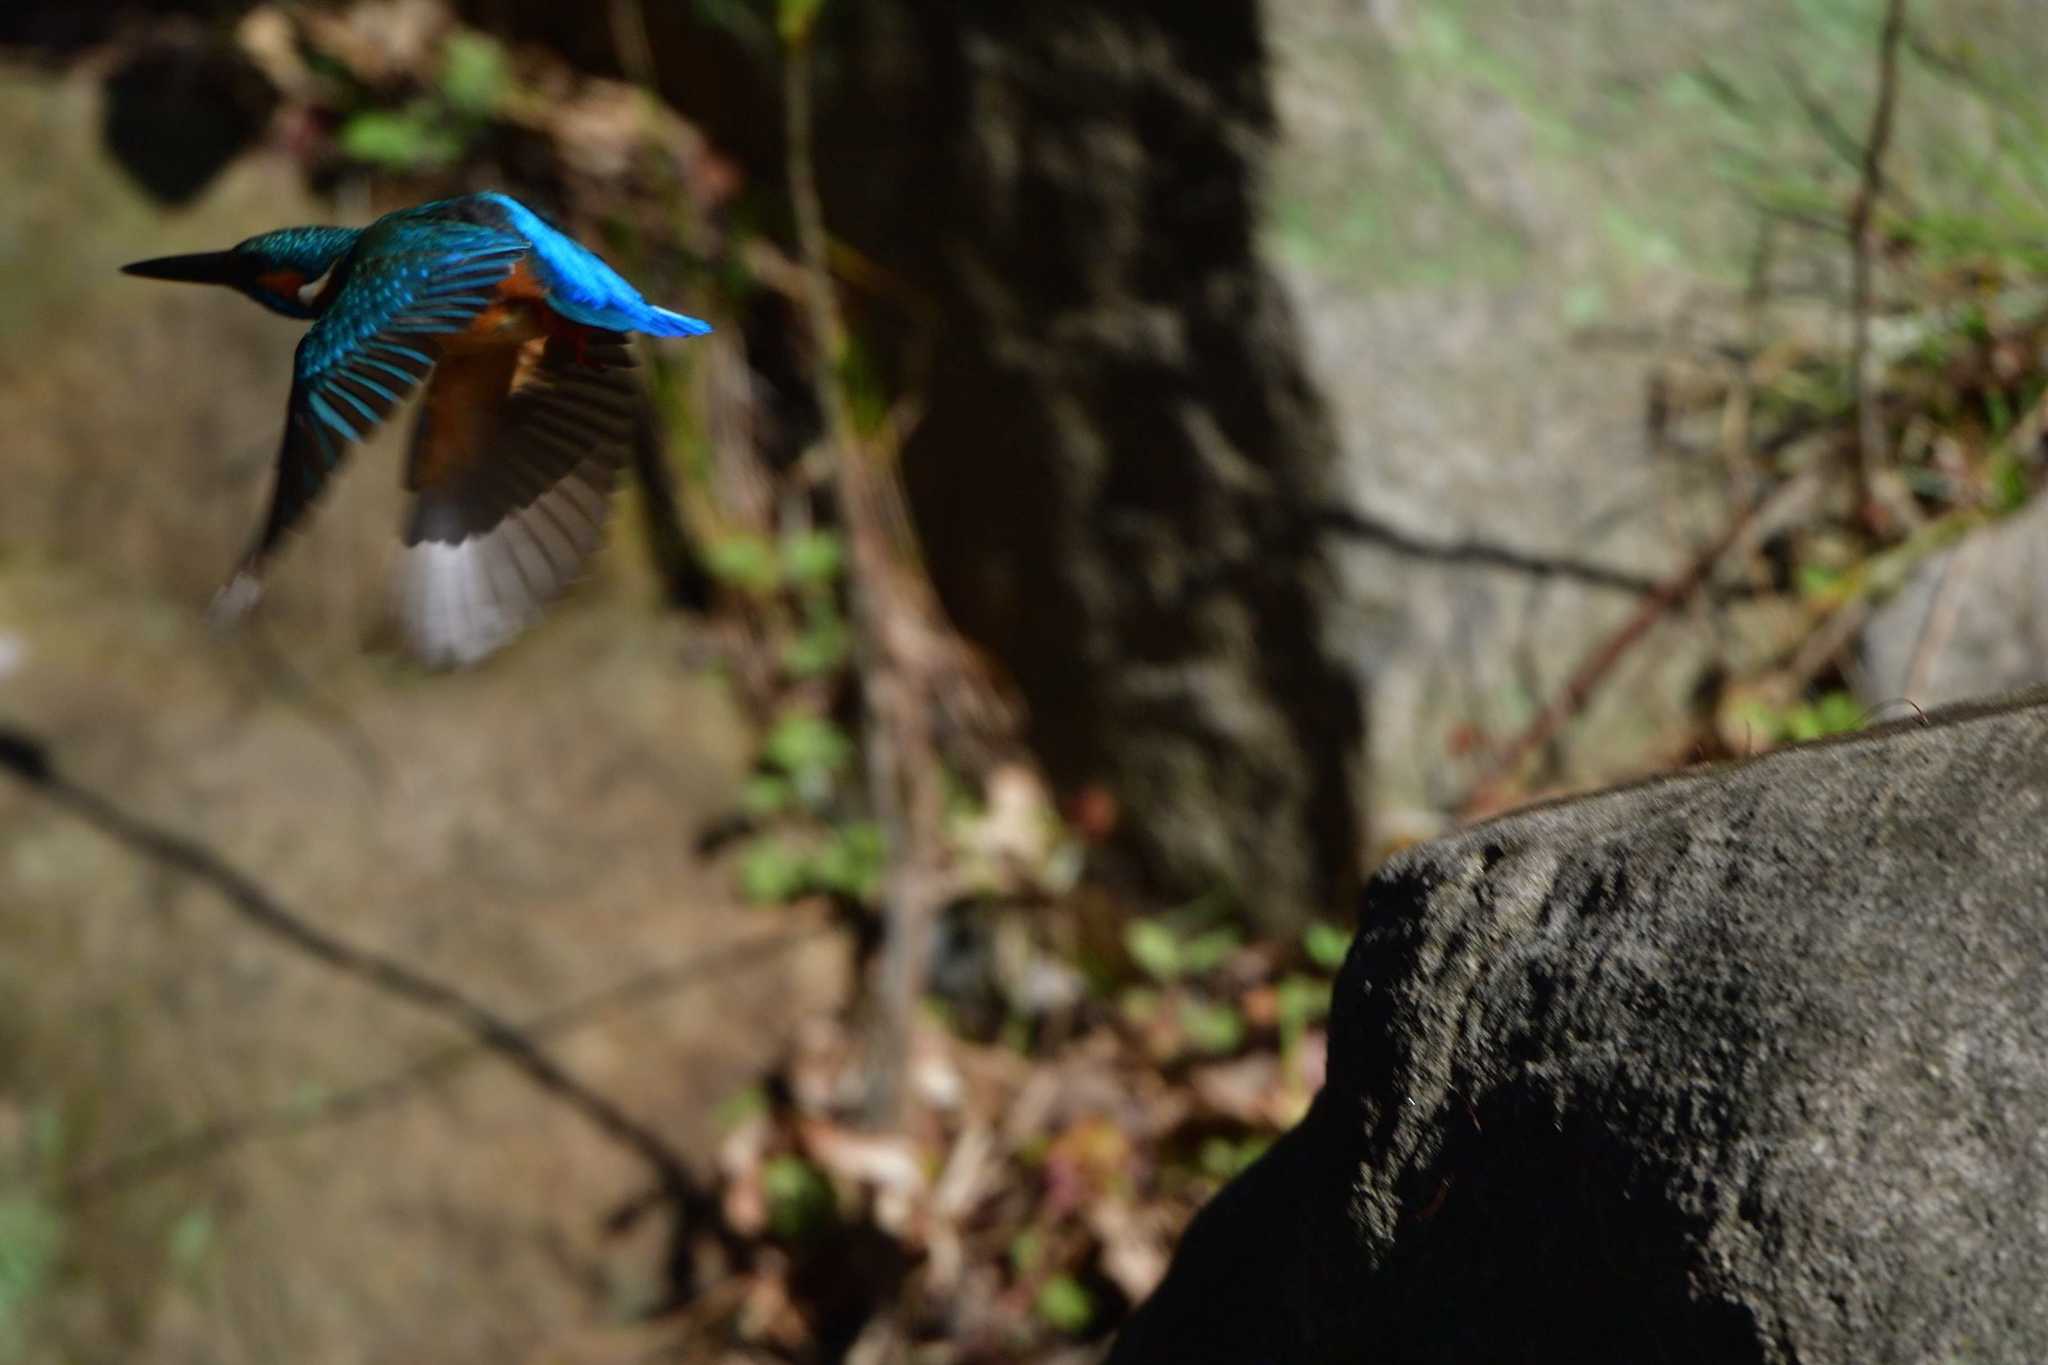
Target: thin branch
<point x="213" y="1140"/>
<point x="1352" y="524"/>
<point x="1870" y="441"/>
<point x="326" y="713"/>
<point x="1838" y="139"/>
<point x="1585" y="680"/>
<point x="27" y="759"/>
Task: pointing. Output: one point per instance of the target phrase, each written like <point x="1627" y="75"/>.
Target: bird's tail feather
<point x="661" y="322"/>
<point x="523" y="510"/>
<point x="461" y="599"/>
<point x="236" y="599"/>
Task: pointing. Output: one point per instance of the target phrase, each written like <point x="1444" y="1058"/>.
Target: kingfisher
<point x="519" y="335"/>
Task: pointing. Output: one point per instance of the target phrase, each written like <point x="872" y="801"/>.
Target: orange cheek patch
<point x="284" y="283"/>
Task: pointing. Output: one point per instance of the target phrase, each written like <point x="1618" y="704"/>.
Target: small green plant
<point x="1211" y="1025"/>
<point x="1326" y="944"/>
<point x="801" y="1204"/>
<point x="31" y="1239"/>
<point x="1299" y="1001"/>
<point x="1065" y="1304"/>
<point x="1167" y="954"/>
<point x="1223" y="1158"/>
<point x="800" y="796"/>
<point x="436" y="128"/>
<point x="1831" y="713"/>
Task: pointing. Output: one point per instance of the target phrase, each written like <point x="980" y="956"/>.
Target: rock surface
<point x="1973" y="619"/>
<point x="1489" y="217"/>
<point x="1743" y="1064"/>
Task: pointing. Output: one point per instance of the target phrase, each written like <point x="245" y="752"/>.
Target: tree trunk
<point x="1120" y="456"/>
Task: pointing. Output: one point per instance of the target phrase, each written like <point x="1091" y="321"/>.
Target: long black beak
<point x="206" y="267"/>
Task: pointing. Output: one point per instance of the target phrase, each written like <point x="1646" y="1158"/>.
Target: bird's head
<point x="281" y="270"/>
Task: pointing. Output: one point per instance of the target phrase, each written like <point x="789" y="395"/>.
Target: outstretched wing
<point x="512" y="463"/>
<point x="382" y="336"/>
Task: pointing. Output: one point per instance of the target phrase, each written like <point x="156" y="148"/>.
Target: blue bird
<point x="520" y="336"/>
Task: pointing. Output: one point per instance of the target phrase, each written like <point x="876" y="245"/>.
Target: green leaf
<point x="1025" y="1250"/>
<point x="1838" y="713"/>
<point x="813" y="557"/>
<point x="474" y="73"/>
<point x="1065" y="1305"/>
<point x="1139" y="1005"/>
<point x="1997" y="412"/>
<point x="1817" y="580"/>
<point x="1155" y="949"/>
<point x="822" y="649"/>
<point x="765" y="795"/>
<point x="811" y="749"/>
<point x="851" y="862"/>
<point x="1208" y="951"/>
<point x="794" y="18"/>
<point x="772" y="872"/>
<point x="736" y="1108"/>
<point x="2007" y="477"/>
<point x="1299" y="1001"/>
<point x="31" y="1236"/>
<point x="192" y="1237"/>
<point x="1222" y="1158"/>
<point x="402" y="139"/>
<point x="746" y="561"/>
<point x="1326" y="944"/>
<point x="800" y="1200"/>
<point x="1211" y="1026"/>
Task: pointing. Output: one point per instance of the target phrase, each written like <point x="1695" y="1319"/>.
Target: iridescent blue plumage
<point x="527" y="413"/>
<point x="585" y="289"/>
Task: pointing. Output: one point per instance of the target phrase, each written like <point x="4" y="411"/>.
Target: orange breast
<point x="463" y="402"/>
<point x="517" y="313"/>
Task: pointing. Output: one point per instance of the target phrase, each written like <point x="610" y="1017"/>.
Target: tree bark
<point x="1121" y="457"/>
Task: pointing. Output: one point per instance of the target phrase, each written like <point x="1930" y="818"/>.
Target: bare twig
<point x="1352" y="524"/>
<point x="28" y="761"/>
<point x="1823" y="646"/>
<point x="1870" y="443"/>
<point x="1838" y="139"/>
<point x="1585" y="680"/>
<point x="327" y="714"/>
<point x="216" y="1139"/>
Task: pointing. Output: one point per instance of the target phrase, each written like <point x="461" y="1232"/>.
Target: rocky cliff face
<point x="1738" y="1065"/>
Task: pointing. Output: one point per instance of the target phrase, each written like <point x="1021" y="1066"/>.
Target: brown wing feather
<point x="512" y="465"/>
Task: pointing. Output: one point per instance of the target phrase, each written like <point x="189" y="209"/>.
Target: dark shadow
<point x="1546" y="1239"/>
<point x="177" y="112"/>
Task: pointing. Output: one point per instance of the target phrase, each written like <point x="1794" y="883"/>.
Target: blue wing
<point x="582" y="288"/>
<point x="382" y="336"/>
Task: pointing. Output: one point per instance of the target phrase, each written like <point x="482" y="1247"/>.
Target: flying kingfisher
<point x="528" y="414"/>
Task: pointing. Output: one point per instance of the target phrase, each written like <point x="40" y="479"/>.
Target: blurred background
<point x="1154" y="461"/>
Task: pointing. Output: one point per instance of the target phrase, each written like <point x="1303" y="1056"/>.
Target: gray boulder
<point x="1973" y="619"/>
<point x="1739" y="1064"/>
